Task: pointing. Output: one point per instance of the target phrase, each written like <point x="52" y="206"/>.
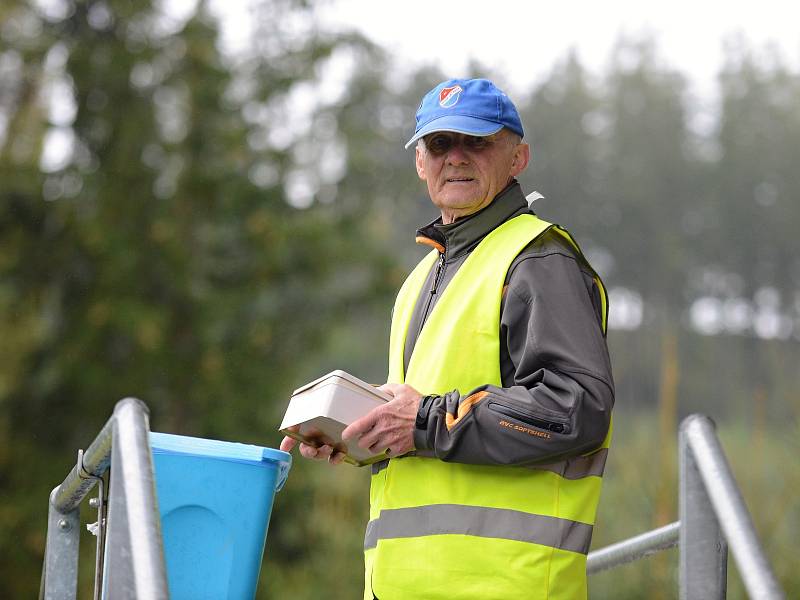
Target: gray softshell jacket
<point x="554" y="361"/>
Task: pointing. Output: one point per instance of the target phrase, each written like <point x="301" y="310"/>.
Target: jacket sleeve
<point x="557" y="392"/>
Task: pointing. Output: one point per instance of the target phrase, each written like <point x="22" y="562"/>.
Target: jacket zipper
<point x="547" y="425"/>
<point x="436" y="280"/>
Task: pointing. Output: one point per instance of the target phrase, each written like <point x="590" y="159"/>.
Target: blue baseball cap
<point x="469" y="106"/>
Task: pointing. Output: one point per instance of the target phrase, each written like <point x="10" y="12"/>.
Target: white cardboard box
<point x="319" y="411"/>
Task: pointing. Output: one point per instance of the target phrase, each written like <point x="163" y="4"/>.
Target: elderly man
<point x="502" y="391"/>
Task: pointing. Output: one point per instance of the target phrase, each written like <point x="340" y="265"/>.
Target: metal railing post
<point x="703" y="564"/>
<point x="60" y="571"/>
<point x="135" y="567"/>
<point x="710" y="504"/>
<point x="61" y="553"/>
<point x="717" y="478"/>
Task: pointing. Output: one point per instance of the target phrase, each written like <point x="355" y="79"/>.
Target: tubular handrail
<point x="729" y="507"/>
<point x="712" y="510"/>
<point x="136" y="556"/>
<point x="633" y="548"/>
<point x="91" y="463"/>
<point x="711" y="505"/>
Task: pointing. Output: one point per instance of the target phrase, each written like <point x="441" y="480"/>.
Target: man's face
<point x="464" y="173"/>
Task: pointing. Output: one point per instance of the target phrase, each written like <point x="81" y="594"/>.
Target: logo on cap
<point x="449" y="96"/>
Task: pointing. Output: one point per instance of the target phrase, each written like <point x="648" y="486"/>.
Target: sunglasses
<point x="441" y="143"/>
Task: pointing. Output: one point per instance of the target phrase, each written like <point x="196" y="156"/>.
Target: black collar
<point x="461" y="236"/>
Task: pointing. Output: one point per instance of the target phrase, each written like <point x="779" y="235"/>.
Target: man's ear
<point x="420" y="162"/>
<point x="520" y="160"/>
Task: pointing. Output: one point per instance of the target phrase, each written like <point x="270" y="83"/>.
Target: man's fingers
<point x="321" y="453"/>
<point x="377" y="448"/>
<point x="368" y="440"/>
<point x="308" y="451"/>
<point x="324" y="452"/>
<point x="360" y="426"/>
<point x="288" y="443"/>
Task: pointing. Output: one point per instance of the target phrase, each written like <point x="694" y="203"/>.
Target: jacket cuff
<point x="421" y="440"/>
<point x="421" y="425"/>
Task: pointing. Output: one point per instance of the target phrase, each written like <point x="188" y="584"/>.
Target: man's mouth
<point x="459" y="179"/>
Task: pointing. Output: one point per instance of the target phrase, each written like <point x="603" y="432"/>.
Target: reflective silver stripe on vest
<point x="480" y="521"/>
<point x="578" y="467"/>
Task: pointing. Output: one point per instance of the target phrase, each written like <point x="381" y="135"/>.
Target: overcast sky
<point x="523" y="40"/>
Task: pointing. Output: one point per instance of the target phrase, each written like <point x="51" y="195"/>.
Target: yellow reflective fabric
<point x="459" y="567"/>
<point x="401" y="315"/>
<point x="369" y="559"/>
<point x="458" y="348"/>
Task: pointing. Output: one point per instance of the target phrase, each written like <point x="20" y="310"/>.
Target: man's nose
<point x="457" y="155"/>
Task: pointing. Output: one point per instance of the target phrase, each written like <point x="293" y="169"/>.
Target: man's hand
<point x="389" y="427"/>
<point x="324" y="452"/>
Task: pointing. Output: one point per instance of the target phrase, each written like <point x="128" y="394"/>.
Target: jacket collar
<point x="461" y="236"/>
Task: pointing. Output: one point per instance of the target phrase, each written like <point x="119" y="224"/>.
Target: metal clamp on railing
<point x="135" y="556"/>
<point x="98" y="529"/>
<point x="712" y="515"/>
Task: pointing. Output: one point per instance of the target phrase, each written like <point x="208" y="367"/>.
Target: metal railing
<point x="133" y="553"/>
<point x="713" y="515"/>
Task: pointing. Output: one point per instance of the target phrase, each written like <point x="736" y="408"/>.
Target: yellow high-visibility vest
<point x="443" y="530"/>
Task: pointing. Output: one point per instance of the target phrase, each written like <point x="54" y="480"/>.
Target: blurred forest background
<point x="208" y="232"/>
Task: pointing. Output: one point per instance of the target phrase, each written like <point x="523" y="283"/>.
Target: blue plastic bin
<point x="215" y="500"/>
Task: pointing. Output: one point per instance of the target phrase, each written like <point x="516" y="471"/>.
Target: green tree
<point x="182" y="247"/>
<point x="565" y="128"/>
<point x="756" y="177"/>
